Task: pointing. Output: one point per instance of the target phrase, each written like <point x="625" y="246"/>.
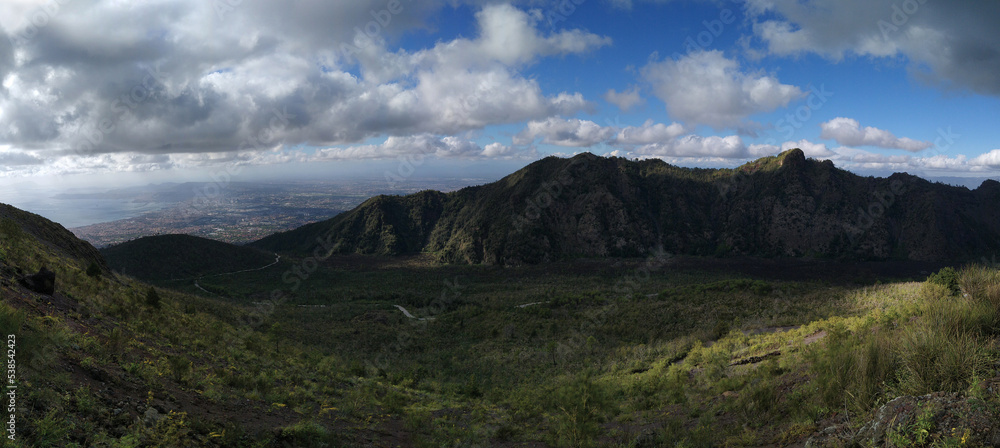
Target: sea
<point x="77" y="212"/>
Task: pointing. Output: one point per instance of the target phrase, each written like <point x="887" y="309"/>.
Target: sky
<point x="109" y="92"/>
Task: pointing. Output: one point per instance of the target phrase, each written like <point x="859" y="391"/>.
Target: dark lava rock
<point x="44" y="282"/>
<point x="949" y="419"/>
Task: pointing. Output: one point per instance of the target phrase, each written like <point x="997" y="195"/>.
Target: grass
<point x="588" y="365"/>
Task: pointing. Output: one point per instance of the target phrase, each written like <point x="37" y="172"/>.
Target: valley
<point x="177" y="340"/>
<point x="500" y="224"/>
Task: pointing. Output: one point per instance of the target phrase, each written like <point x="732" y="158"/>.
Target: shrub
<point x="10" y="231"/>
<point x="116" y="341"/>
<point x="944" y="349"/>
<point x="757" y="403"/>
<point x="94" y="270"/>
<point x="853" y="370"/>
<point x="932" y="360"/>
<point x="12" y="235"/>
<point x="51" y="430"/>
<point x="981" y="283"/>
<point x="306" y="434"/>
<point x="11" y="320"/>
<point x="946" y="277"/>
<point x="579" y="406"/>
<point x="180" y="366"/>
<point x="152" y="298"/>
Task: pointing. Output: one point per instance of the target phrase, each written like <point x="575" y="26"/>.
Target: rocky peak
<point x="793" y="159"/>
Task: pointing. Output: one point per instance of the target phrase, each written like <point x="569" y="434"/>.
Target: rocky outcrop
<point x="938" y="419"/>
<point x="44" y="282"/>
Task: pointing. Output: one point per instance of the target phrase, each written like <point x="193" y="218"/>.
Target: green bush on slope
<point x="944" y="348"/>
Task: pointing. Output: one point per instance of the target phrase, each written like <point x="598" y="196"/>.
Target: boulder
<point x="947" y="419"/>
<point x="151" y="417"/>
<point x="44" y="282"/>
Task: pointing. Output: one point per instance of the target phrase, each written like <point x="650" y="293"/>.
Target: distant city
<point x="240" y="212"/>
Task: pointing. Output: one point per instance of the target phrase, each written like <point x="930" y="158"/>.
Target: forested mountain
<point x="589" y="206"/>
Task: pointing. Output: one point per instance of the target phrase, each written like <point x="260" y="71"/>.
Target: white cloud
<point x="859" y="159"/>
<point x="564" y="132"/>
<point x="763" y="150"/>
<point x="625" y="100"/>
<point x="650" y="139"/>
<point x="173" y="78"/>
<point x="420" y="146"/>
<point x="952" y="43"/>
<point x="509" y="36"/>
<point x="814" y="150"/>
<point x="10" y="158"/>
<point x="990" y="159"/>
<point x="497" y="149"/>
<point x="860" y="156"/>
<point x="649" y="133"/>
<point x="707" y="88"/>
<point x="730" y="147"/>
<point x="848" y="131"/>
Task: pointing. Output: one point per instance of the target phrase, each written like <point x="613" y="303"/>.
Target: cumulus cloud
<point x="860" y="156"/>
<point x="651" y="139"/>
<point x="649" y="133"/>
<point x="859" y="159"/>
<point x="848" y="132"/>
<point x="730" y="147"/>
<point x="625" y="100"/>
<point x="13" y="158"/>
<point x="814" y="150"/>
<point x="707" y="88"/>
<point x="953" y="43"/>
<point x="420" y="145"/>
<point x="763" y="150"/>
<point x="564" y="132"/>
<point x="508" y="35"/>
<point x="990" y="159"/>
<point x="159" y="78"/>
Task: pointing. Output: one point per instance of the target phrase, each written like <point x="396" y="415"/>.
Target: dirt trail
<point x="277" y="258"/>
<point x="407" y="314"/>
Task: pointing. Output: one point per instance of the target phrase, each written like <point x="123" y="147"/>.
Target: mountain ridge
<point x="50" y="233"/>
<point x="589" y="206"/>
<point x="170" y="257"/>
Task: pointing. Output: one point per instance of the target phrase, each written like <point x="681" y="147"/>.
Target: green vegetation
<point x="573" y="353"/>
<point x="589" y="206"/>
<point x="94" y="270"/>
<point x="152" y="298"/>
<point x="181" y="257"/>
<point x="946" y="277"/>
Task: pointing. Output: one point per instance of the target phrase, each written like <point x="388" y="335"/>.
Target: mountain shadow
<point x="171" y="257"/>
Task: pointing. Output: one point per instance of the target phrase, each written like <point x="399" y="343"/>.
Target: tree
<point x="152" y="298"/>
<point x="94" y="270"/>
<point x="275" y="331"/>
<point x="579" y="405"/>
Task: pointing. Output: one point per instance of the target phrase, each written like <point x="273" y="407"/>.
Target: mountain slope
<point x="383" y="225"/>
<point x="108" y="361"/>
<point x="588" y="206"/>
<point x="51" y="234"/>
<point x="168" y="257"/>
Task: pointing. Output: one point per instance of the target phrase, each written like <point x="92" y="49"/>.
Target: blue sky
<point x="150" y="91"/>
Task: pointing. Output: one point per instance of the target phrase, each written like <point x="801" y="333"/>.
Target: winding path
<point x="411" y="316"/>
<point x="277" y="258"/>
<point x="407" y="314"/>
<point x="529" y="304"/>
